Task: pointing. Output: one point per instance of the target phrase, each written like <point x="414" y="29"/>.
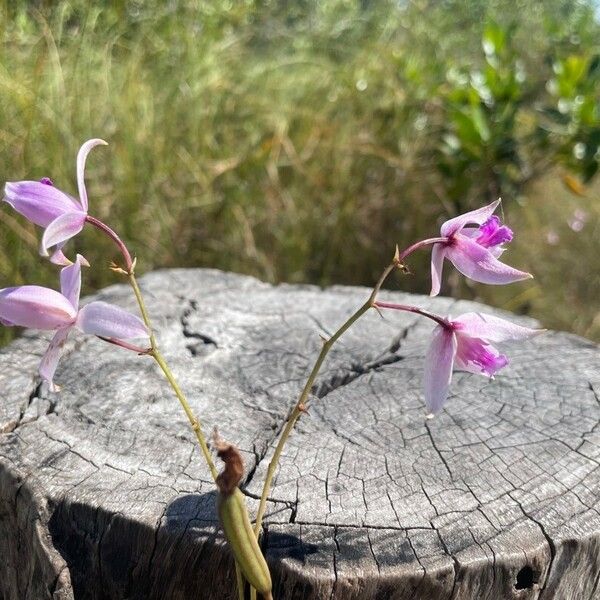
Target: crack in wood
<point x="204" y="344"/>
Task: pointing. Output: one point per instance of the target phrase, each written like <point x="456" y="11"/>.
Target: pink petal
<point x="107" y="320"/>
<point x="70" y="281"/>
<point x="479" y="264"/>
<point x="52" y="356"/>
<point x="36" y="307"/>
<point x="38" y="202"/>
<point x="81" y="158"/>
<point x="479" y="216"/>
<point x="61" y="229"/>
<point x="58" y="257"/>
<point x="496" y="251"/>
<point x="492" y="329"/>
<point x="438" y="368"/>
<point x="438" y="253"/>
<point x="470" y="232"/>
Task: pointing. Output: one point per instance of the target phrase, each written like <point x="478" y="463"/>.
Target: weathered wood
<point x="103" y="492"/>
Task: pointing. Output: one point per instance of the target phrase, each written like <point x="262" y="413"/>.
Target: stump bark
<point x="104" y="494"/>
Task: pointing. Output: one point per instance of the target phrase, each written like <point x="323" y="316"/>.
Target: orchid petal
<point x="496" y="251"/>
<point x="61" y="229"/>
<point x="38" y="202"/>
<point x="58" y="257"/>
<point x="70" y="281"/>
<point x="36" y="307"/>
<point x="438" y="368"/>
<point x="479" y="264"/>
<point x="81" y="158"/>
<point x="478" y="216"/>
<point x="438" y="253"/>
<point x="107" y="320"/>
<point x="470" y="232"/>
<point x="491" y="328"/>
<point x="52" y="356"/>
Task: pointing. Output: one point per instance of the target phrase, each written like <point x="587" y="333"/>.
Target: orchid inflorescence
<point x="472" y="242"/>
<point x="43" y="308"/>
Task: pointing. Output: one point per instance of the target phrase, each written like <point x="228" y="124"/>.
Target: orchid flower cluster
<point x="472" y="242"/>
<point x="43" y="308"/>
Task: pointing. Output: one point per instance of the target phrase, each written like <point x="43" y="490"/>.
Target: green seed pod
<point x="240" y="535"/>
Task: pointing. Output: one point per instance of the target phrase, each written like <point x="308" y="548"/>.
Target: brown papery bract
<point x="231" y="475"/>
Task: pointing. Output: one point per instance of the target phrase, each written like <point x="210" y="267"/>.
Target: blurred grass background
<point x="300" y="141"/>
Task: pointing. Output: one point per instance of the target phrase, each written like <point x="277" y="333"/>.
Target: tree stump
<point x="104" y="493"/>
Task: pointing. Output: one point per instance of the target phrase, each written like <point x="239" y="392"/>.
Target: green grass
<point x="294" y="141"/>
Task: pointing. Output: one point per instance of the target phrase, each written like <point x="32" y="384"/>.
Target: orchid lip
<point x="477" y="353"/>
<point x="493" y="233"/>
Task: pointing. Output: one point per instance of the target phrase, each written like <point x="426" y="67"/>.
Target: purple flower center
<point x="474" y="351"/>
<point x="46" y="181"/>
<point x="493" y="233"/>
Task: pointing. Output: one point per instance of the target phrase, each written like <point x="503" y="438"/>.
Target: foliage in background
<point x="299" y="141"/>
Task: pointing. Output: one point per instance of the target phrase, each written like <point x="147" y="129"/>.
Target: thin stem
<point x="153" y="351"/>
<point x="303" y="400"/>
<point x="419" y="311"/>
<point x="129" y="264"/>
<point x="140" y="300"/>
<point x="158" y="357"/>
<point x="418" y="245"/>
<point x="194" y="422"/>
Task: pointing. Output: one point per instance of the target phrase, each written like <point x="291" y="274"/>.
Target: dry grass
<point x="249" y="137"/>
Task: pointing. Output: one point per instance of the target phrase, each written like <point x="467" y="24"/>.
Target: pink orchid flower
<point x="474" y="251"/>
<point x="466" y="343"/>
<point x="39" y="307"/>
<point x="61" y="215"/>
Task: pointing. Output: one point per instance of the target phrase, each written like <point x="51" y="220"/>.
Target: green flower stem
<point x="129" y="271"/>
<point x="303" y="400"/>
<point x="158" y="357"/>
<point x="194" y="421"/>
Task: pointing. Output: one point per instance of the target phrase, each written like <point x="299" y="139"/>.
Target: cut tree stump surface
<point x="104" y="493"/>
